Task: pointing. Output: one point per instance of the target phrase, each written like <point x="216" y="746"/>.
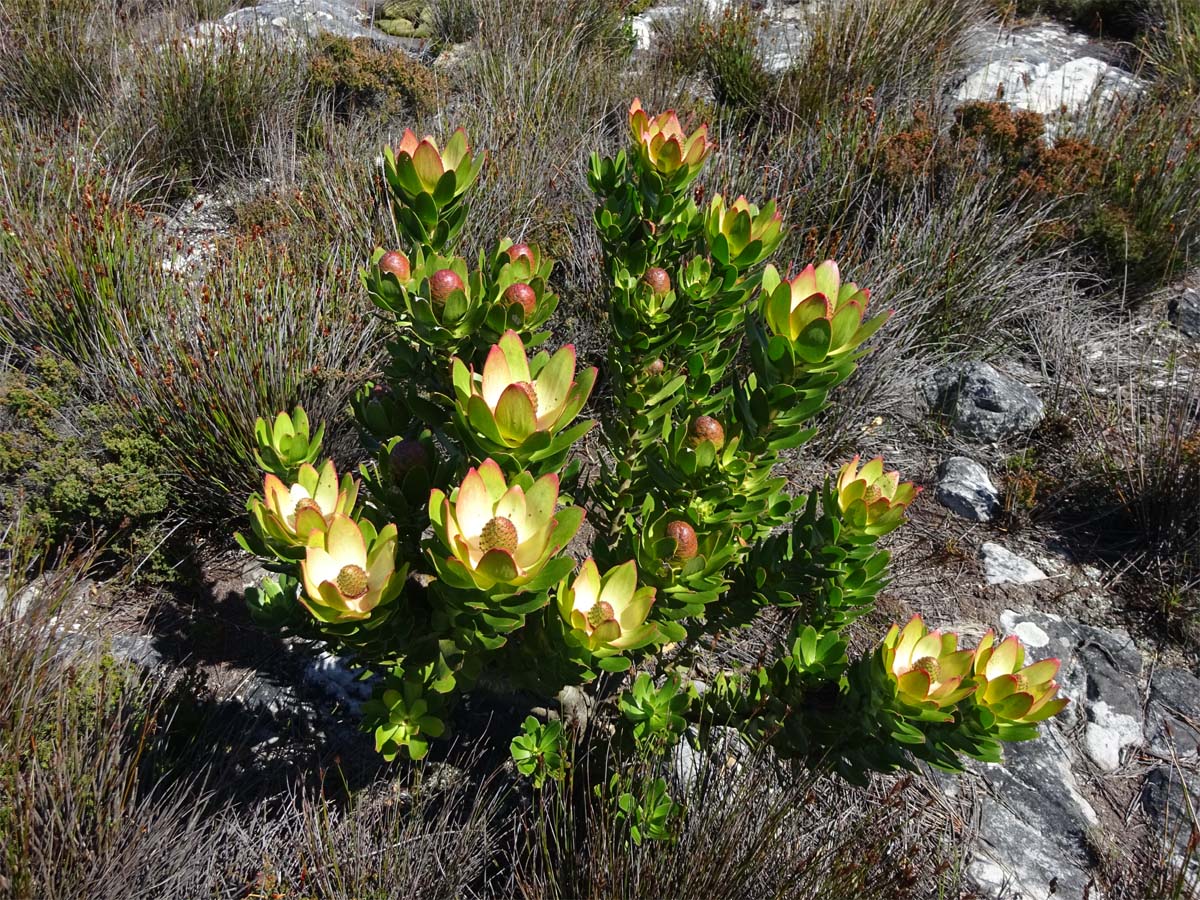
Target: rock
<point x="340" y="679"/>
<point x="1002" y="566"/>
<point x="1185" y="313"/>
<point x="1042" y="68"/>
<point x="1067" y="89"/>
<point x="965" y="488"/>
<point x="688" y="766"/>
<point x="1114" y="710"/>
<point x="137" y="649"/>
<point x="1033" y="830"/>
<point x="1100" y="672"/>
<point x="980" y="402"/>
<point x="1169" y="796"/>
<point x="299" y="20"/>
<point x="1108" y="733"/>
<point x="1173" y="715"/>
<point x="645" y="25"/>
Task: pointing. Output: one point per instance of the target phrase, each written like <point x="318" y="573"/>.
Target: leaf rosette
<point x="285" y="517"/>
<point x="607" y="613"/>
<point x="520" y="408"/>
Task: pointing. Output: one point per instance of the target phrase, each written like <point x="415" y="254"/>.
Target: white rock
<point x="1002" y="566"/>
<point x="1108" y="734"/>
<point x="1040" y="88"/>
<point x="1031" y="635"/>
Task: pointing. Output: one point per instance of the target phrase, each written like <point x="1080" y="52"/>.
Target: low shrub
<point x="358" y="77"/>
<point x="72" y="468"/>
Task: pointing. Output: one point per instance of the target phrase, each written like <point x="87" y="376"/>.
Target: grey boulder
<point x="981" y="403"/>
<point x="964" y="487"/>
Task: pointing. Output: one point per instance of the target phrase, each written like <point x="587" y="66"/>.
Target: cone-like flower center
<point x="522" y="295"/>
<point x="306" y="503"/>
<point x="407" y="455"/>
<point x="395" y="262"/>
<point x="352" y="582"/>
<point x="516" y="251"/>
<point x="1022" y="682"/>
<point x="599" y="614"/>
<point x="498" y="534"/>
<point x="930" y="667"/>
<point x="531" y="393"/>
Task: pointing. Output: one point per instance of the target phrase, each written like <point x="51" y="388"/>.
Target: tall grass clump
<point x="58" y="58"/>
<point x="76" y="246"/>
<point x="82" y="814"/>
<point x="538" y="93"/>
<point x="1173" y="48"/>
<point x="266" y="327"/>
<point x="1142" y="477"/>
<point x="751" y="827"/>
<point x="1144" y="223"/>
<point x="198" y="107"/>
<point x="885" y="51"/>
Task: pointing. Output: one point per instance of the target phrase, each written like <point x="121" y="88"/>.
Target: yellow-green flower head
<point x="610" y="610"/>
<point x="285" y="444"/>
<point x="288" y="515"/>
<point x="421" y="167"/>
<point x="928" y="668"/>
<point x="349" y="570"/>
<point x="1011" y="693"/>
<point x="497" y="534"/>
<point x="871" y="500"/>
<point x="663" y="147"/>
<point x="508" y="404"/>
<point x="822" y="318"/>
<point x="741" y="234"/>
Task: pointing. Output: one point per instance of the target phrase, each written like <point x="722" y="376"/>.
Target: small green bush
<point x="72" y="468"/>
<point x="358" y="77"/>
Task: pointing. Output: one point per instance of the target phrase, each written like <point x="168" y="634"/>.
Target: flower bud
<point x="655" y="368"/>
<point x="684" y="536"/>
<point x="397" y="263"/>
<point x="405" y="456"/>
<point x="516" y="251"/>
<point x="657" y="279"/>
<point x="442" y="284"/>
<point x="706" y="428"/>
<point x="522" y="295"/>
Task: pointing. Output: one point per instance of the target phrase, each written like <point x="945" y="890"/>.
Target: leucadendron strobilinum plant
<point x="454" y="561"/>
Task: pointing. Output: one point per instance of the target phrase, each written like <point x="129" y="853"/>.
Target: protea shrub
<point x="457" y="561"/>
